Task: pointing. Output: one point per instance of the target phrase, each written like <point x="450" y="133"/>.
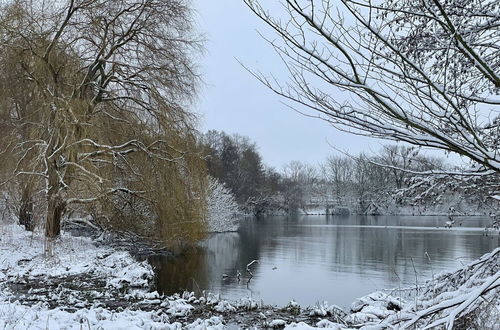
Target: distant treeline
<point x="396" y="179"/>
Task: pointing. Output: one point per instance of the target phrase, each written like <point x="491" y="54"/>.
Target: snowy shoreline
<point x="91" y="286"/>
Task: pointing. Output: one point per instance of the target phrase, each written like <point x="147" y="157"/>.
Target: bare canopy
<point x="423" y="72"/>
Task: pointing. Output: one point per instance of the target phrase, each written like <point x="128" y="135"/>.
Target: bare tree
<point x="339" y="172"/>
<point x="399" y="159"/>
<point x="106" y="80"/>
<point x="300" y="179"/>
<point x="423" y="72"/>
<point x="370" y="182"/>
<point x="302" y="173"/>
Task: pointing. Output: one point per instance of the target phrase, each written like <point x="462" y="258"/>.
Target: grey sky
<point x="235" y="102"/>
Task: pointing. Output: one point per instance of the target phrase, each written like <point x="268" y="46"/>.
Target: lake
<point x="315" y="258"/>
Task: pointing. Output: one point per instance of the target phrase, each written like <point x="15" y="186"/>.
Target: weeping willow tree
<point x="95" y="99"/>
<point x="165" y="198"/>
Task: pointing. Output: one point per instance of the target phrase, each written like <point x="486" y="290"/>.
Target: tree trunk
<point x="55" y="204"/>
<point x="26" y="210"/>
<point x="55" y="212"/>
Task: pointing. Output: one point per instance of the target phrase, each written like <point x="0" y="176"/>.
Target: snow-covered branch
<point x="406" y="66"/>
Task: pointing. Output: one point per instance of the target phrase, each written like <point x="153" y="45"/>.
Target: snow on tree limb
<point x="450" y="295"/>
<point x="408" y="87"/>
<point x="496" y="197"/>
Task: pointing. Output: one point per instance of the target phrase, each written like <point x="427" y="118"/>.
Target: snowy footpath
<point x="85" y="286"/>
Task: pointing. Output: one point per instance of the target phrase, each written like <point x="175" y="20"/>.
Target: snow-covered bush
<point x="223" y="211"/>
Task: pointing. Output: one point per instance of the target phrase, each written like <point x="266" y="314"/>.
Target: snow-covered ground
<point x="13" y="315"/>
<point x="22" y="260"/>
<point x="85" y="286"/>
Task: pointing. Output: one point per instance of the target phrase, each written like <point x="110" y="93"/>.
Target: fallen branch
<point x="491" y="284"/>
<point x="85" y="222"/>
<point x="248" y="267"/>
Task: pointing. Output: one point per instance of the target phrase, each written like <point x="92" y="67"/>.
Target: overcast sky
<point x="234" y="101"/>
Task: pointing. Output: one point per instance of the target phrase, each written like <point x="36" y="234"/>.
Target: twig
<point x="416" y="280"/>
<point x="433" y="280"/>
<point x="399" y="285"/>
<point x="197" y="286"/>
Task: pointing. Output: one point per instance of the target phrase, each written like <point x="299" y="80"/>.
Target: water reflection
<point x="318" y="258"/>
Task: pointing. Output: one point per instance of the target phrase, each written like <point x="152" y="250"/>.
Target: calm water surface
<point x="316" y="258"/>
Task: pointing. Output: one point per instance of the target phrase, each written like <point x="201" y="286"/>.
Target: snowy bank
<point x="76" y="280"/>
<point x="23" y="259"/>
<point x="13" y="315"/>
